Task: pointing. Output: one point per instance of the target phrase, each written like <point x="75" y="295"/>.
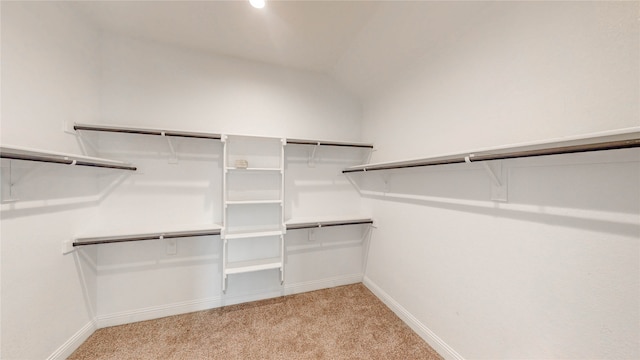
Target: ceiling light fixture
<point x="258" y="4"/>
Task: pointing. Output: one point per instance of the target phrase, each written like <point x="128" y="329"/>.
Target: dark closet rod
<point x="328" y="143"/>
<point x="28" y="155"/>
<point x="141" y="237"/>
<point x="321" y="224"/>
<point x="537" y="150"/>
<point x="158" y="132"/>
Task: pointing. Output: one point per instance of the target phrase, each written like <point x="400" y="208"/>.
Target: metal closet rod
<point x="158" y="132"/>
<point x="141" y="237"/>
<point x="457" y="159"/>
<point x="312" y="225"/>
<point x="60" y="159"/>
<point x="328" y="143"/>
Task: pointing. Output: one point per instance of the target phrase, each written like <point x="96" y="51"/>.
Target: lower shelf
<point x="252" y="234"/>
<point x="253" y="265"/>
<point x="214" y="230"/>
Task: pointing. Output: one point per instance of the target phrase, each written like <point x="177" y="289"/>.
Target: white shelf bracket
<point x="385" y="180"/>
<point x="369" y="154"/>
<point x="497" y="174"/>
<point x="312" y="156"/>
<point x="67" y="247"/>
<point x="174" y="156"/>
<point x="84" y="141"/>
<point x="14" y="180"/>
<point x="311" y="235"/>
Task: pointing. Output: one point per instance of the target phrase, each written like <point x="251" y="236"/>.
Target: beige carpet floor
<point x="346" y="322"/>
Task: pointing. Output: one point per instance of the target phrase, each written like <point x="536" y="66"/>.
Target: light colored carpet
<point x="346" y="322"/>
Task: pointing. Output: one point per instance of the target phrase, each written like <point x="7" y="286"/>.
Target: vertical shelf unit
<point x="253" y="201"/>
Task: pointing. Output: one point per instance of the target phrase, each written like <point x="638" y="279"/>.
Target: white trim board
<point x="74" y="342"/>
<point x="424" y="332"/>
<point x="327" y="283"/>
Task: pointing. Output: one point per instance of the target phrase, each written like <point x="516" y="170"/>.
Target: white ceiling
<point x="362" y="44"/>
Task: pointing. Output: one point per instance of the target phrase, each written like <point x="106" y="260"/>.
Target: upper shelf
<point x="609" y="140"/>
<point x="147" y="131"/>
<point x="16" y="153"/>
<point x="204" y="135"/>
<point x="328" y="143"/>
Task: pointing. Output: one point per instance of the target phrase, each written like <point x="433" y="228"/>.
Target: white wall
<point x="526" y="72"/>
<point x="151" y="84"/>
<point x="555" y="272"/>
<point x="50" y="74"/>
<point x="156" y="85"/>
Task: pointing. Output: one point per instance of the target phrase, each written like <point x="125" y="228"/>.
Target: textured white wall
<point x="526" y="72"/>
<point x="555" y="272"/>
<point x="151" y="84"/>
<point x="50" y="75"/>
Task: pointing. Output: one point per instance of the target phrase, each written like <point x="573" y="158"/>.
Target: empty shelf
<point x="146" y="131"/>
<point x="252" y="234"/>
<point x="253" y="265"/>
<point x="16" y="153"/>
<point x="147" y="236"/>
<point x="265" y="169"/>
<point x="253" y="202"/>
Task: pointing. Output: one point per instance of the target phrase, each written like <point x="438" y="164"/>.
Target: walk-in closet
<point x="320" y="179"/>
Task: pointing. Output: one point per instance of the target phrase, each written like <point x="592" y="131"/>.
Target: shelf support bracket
<point x="174" y="157"/>
<point x="311" y="234"/>
<point x="385" y="181"/>
<point x="84" y="141"/>
<point x="498" y="179"/>
<point x="312" y="156"/>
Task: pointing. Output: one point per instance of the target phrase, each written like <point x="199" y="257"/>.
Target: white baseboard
<point x="156" y="312"/>
<point x="424" y="332"/>
<point x="74" y="342"/>
<point x="327" y="283"/>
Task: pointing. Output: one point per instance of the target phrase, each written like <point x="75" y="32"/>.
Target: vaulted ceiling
<point x="362" y="44"/>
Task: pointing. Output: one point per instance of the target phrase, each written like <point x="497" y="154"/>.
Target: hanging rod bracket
<point x="67" y="246"/>
<point x="174" y="157"/>
<point x="311" y="234"/>
<point x="498" y="176"/>
<point x="312" y="155"/>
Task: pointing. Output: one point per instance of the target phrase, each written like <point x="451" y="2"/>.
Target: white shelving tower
<point x="253" y="199"/>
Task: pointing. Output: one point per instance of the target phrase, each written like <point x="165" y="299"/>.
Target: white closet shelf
<point x="253" y="265"/>
<point x="259" y="169"/>
<point x="214" y="230"/>
<point x="609" y="140"/>
<point x="328" y="143"/>
<point x="253" y="202"/>
<point x="310" y="224"/>
<point x="146" y="131"/>
<point x="252" y="234"/>
<point x="26" y="154"/>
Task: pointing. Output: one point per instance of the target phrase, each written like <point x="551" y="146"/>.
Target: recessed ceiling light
<point x="258" y="4"/>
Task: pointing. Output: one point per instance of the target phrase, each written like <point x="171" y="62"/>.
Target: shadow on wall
<point x="595" y="191"/>
<point x="32" y="188"/>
